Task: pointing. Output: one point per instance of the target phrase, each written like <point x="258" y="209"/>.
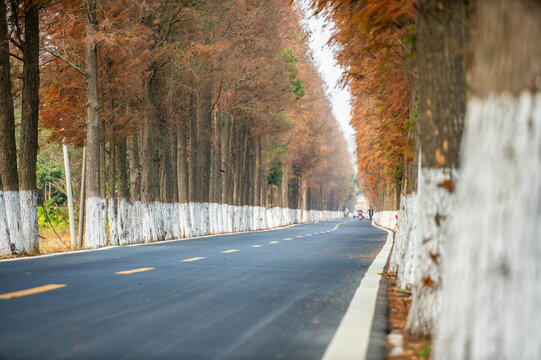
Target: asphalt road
<point x="263" y="295"/>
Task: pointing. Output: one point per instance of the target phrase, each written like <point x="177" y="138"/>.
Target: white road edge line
<point x="353" y="334"/>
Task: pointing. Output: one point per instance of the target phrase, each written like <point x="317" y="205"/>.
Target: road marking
<point x="299" y="236"/>
<point x="288" y="239"/>
<point x="308" y="234"/>
<point x="274" y="242"/>
<point x="229" y="251"/>
<point x="193" y="259"/>
<point x="353" y="334"/>
<point x="127" y="272"/>
<point x="36" y="290"/>
<point x="256" y="245"/>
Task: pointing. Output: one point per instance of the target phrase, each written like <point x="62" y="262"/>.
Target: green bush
<point x="57" y="215"/>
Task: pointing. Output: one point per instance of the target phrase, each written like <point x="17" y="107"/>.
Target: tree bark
<point x="225" y="161"/>
<point x="111" y="208"/>
<point x="135" y="188"/>
<point x="29" y="128"/>
<point x="492" y="269"/>
<point x="204" y="149"/>
<point x="123" y="194"/>
<point x="193" y="185"/>
<point x="8" y="151"/>
<point x="183" y="185"/>
<point x="440" y="32"/>
<point x="94" y="230"/>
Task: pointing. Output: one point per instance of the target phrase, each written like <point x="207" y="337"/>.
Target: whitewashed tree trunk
<point x="93" y="223"/>
<point x="137" y="220"/>
<point x="5" y="245"/>
<point x="113" y="230"/>
<point x="103" y="237"/>
<point x="123" y="222"/>
<point x="492" y="294"/>
<point x="407" y="260"/>
<point x="435" y="207"/>
<point x="13" y="216"/>
<point x="29" y="220"/>
<point x="400" y="261"/>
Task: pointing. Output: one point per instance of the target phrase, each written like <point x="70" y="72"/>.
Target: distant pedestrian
<point x="371" y="213"/>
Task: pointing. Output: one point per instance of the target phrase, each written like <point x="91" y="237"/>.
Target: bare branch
<point x="60" y="57"/>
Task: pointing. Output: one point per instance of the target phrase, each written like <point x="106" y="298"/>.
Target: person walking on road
<point x="371" y="213"/>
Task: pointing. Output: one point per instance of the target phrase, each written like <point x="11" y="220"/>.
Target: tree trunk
<point x="111" y="209"/>
<point x="492" y="269"/>
<point x="8" y="151"/>
<point x="82" y="203"/>
<point x="5" y="244"/>
<point x="440" y="31"/>
<point x="29" y="128"/>
<point x="123" y="194"/>
<point x="183" y="185"/>
<point x="225" y="166"/>
<point x="173" y="153"/>
<point x="193" y="186"/>
<point x="204" y="149"/>
<point x="95" y="229"/>
<point x="135" y="188"/>
<point x="149" y="225"/>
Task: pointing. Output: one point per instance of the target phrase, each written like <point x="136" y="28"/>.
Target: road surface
<point x="277" y="294"/>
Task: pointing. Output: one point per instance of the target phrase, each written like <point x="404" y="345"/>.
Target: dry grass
<point x="399" y="305"/>
<point x="50" y="243"/>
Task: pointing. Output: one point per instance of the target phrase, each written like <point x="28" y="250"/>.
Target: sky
<point x="320" y="29"/>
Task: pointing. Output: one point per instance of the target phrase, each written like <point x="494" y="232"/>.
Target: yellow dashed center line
<point x="274" y="242"/>
<point x="288" y="239"/>
<point x="193" y="259"/>
<point x="256" y="245"/>
<point x="299" y="236"/>
<point x="127" y="272"/>
<point x="229" y="251"/>
<point x="308" y="234"/>
<point x="36" y="290"/>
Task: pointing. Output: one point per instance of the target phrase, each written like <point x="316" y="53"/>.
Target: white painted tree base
<point x="492" y="271"/>
<point x="403" y="259"/>
<point x="5" y="244"/>
<point x="29" y="220"/>
<point x="111" y="215"/>
<point x="13" y="216"/>
<point x="138" y="222"/>
<point x="434" y="209"/>
<point x="94" y="224"/>
<point x="123" y="225"/>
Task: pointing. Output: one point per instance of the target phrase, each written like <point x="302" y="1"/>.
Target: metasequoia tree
<point x="492" y="270"/>
<point x="408" y="84"/>
<point x="8" y="156"/>
<point x="29" y="46"/>
<point x="440" y="44"/>
<point x="194" y="99"/>
<point x="373" y="37"/>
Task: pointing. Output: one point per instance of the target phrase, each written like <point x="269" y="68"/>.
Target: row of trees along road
<point x="180" y="102"/>
<point x="423" y="73"/>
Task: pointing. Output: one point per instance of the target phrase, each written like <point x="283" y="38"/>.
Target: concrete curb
<point x="351" y="340"/>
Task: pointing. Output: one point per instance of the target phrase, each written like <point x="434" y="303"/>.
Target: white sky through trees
<point x="320" y="30"/>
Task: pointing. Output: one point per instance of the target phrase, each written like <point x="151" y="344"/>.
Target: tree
<point x="29" y="126"/>
<point x="95" y="228"/>
<point x="491" y="271"/>
<point x="442" y="94"/>
<point x="8" y="156"/>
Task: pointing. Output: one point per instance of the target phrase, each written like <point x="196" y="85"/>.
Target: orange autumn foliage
<point x="370" y="35"/>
